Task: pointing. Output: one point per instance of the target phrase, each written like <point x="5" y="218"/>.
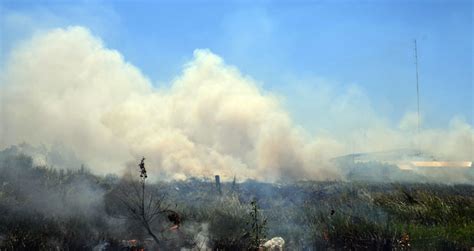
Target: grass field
<point x="42" y="208"/>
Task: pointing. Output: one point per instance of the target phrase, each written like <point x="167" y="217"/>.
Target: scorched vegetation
<point x="45" y="208"/>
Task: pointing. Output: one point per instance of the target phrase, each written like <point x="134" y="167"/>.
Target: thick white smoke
<point x="64" y="87"/>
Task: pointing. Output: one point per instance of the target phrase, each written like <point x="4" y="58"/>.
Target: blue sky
<point x="289" y="47"/>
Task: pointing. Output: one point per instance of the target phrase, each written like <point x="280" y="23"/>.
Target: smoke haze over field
<point x="64" y="87"/>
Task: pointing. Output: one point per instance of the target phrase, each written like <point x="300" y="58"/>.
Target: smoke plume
<point x="65" y="87"/>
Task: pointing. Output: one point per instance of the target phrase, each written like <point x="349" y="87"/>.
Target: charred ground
<point x="49" y="208"/>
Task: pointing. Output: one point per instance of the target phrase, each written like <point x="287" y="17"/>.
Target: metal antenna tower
<point x="417" y="87"/>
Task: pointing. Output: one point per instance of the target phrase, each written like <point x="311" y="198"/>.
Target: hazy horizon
<point x="258" y="100"/>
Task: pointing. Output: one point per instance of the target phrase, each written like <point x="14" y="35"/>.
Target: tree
<point x="132" y="199"/>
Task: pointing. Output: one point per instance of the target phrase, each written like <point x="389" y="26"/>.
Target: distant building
<point x="403" y="164"/>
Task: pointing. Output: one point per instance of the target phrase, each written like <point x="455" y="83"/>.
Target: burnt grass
<point x="45" y="208"/>
<point x="321" y="215"/>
